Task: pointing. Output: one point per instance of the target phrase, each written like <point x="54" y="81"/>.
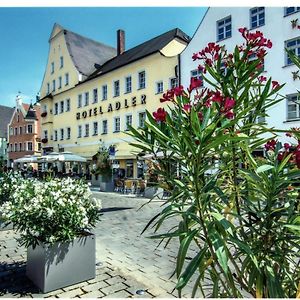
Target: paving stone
<point x="120" y="294"/>
<point x="95" y="286"/>
<point x="114" y="288"/>
<point x="94" y="294"/>
<point x="70" y="294"/>
<point x="114" y="280"/>
<point x="75" y="286"/>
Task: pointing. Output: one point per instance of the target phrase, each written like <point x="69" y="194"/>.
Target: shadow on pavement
<point x="13" y="280"/>
<point x="111" y="209"/>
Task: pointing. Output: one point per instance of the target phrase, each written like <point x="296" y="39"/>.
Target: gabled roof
<point x="5" y="116"/>
<point x="85" y="52"/>
<point x="31" y="113"/>
<point x="147" y="48"/>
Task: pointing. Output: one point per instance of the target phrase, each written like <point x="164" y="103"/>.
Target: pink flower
<point x="196" y="56"/>
<point x="160" y="115"/>
<point x="288" y="134"/>
<point x="187" y="107"/>
<point x="195" y="83"/>
<point x="262" y="79"/>
<point x="270" y="145"/>
<point x="229" y="115"/>
<point x="200" y="116"/>
<point x="287" y="146"/>
<point x="275" y="84"/>
<point x="229" y="104"/>
<point x="217" y="97"/>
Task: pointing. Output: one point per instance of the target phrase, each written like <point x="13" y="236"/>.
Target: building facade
<point x="92" y="92"/>
<point x="5" y="116"/>
<point x="24" y="131"/>
<point x="280" y="25"/>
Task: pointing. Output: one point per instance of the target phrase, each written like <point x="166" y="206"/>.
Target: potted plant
<point x="152" y="187"/>
<point x="103" y="168"/>
<point x="54" y="219"/>
<point x="8" y="183"/>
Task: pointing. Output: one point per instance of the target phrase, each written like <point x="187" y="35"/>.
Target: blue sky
<point x="25" y="32"/>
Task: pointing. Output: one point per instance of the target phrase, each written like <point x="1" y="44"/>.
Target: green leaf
<point x="264" y="168"/>
<point x="220" y="249"/>
<point x="184" y="245"/>
<point x="190" y="269"/>
<point x="223" y="222"/>
<point x="293" y="227"/>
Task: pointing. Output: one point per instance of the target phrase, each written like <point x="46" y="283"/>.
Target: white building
<point x="280" y="25"/>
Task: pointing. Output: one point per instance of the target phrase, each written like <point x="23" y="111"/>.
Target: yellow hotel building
<point x="91" y="91"/>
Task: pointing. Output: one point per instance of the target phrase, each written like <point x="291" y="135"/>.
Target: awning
<point x="28" y="159"/>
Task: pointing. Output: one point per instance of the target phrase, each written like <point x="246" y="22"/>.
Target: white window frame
<point x="68" y="104"/>
<point x="61" y="60"/>
<point x="67" y="79"/>
<point x="56" y="108"/>
<point x="141" y="81"/>
<point x="86" y="98"/>
<point x="86" y="130"/>
<point x="128" y="84"/>
<point x="117" y="124"/>
<point x="95" y="128"/>
<point x="59" y="82"/>
<point x="106" y="127"/>
<point x="79" y="101"/>
<point x="116" y="85"/>
<point x="295" y="48"/>
<point x="171" y="84"/>
<point x="29" y="127"/>
<point x="157" y="87"/>
<point x="55" y="135"/>
<point x="256" y="15"/>
<point x="222" y="24"/>
<point x="292" y="98"/>
<point x="295" y="10"/>
<point x="48" y="88"/>
<point x="52" y="67"/>
<point x="95" y="95"/>
<point x="79" y="131"/>
<point x="62" y="134"/>
<point x="28" y="143"/>
<point x="61" y="107"/>
<point x="126" y="123"/>
<point x="138" y="119"/>
<point x="53" y="85"/>
<point x="104" y="92"/>
<point x="68" y="130"/>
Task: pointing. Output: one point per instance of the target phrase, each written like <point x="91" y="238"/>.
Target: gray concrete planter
<point x="107" y="186"/>
<point x="62" y="264"/>
<point x="4" y="225"/>
<point x="153" y="191"/>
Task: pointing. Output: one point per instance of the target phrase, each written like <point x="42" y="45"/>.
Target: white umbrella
<point x="69" y="156"/>
<point x="158" y="154"/>
<point x="27" y="159"/>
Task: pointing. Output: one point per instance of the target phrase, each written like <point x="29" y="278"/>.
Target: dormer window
<point x="52" y="67"/>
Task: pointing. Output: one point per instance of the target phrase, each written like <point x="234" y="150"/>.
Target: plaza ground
<point x="128" y="264"/>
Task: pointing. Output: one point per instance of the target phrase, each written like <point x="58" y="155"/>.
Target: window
<point x="55" y="108"/>
<point x="29" y="128"/>
<point x="116" y="88"/>
<point x="173" y="82"/>
<point x="86" y="98"/>
<point x="95" y="95"/>
<point x="95" y="128"/>
<point x="104" y="127"/>
<point x="52" y="67"/>
<point x="11" y="147"/>
<point x="68" y="105"/>
<point x="62" y="134"/>
<point x="87" y="130"/>
<point x="20" y="130"/>
<point x="159" y="87"/>
<point x="53" y="85"/>
<point x="68" y="133"/>
<point x="293" y="109"/>
<point x="59" y="82"/>
<point x="29" y="146"/>
<point x="16" y="131"/>
<point x="197" y="75"/>
<point x="45" y="134"/>
<point x="55" y="135"/>
<point x="104" y="92"/>
<point x="290" y="10"/>
<point x="224" y="28"/>
<point x="62" y="106"/>
<point x="16" y="147"/>
<point x="128" y="85"/>
<point x="67" y="79"/>
<point x="257" y="17"/>
<point x="11" y="131"/>
<point x="39" y="146"/>
<point x="294" y="46"/>
<point x="128" y="121"/>
<point x="18" y="118"/>
<point x="79" y="104"/>
<point x="20" y="146"/>
<point x="61" y="62"/>
<point x="48" y="88"/>
<point x="129" y="168"/>
<point x="117" y="124"/>
<point x="142" y="118"/>
<point x="142" y="80"/>
<point x="79" y="131"/>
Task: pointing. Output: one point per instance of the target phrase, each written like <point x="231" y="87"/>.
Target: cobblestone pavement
<point x="126" y="260"/>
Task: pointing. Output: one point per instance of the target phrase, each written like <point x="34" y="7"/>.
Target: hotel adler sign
<point x="111" y="107"/>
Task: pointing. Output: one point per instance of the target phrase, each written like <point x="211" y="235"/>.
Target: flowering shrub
<point x="53" y="211"/>
<point x="244" y="217"/>
<point x="8" y="183"/>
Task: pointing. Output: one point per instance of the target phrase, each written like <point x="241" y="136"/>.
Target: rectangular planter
<point x="106" y="186"/>
<point x="4" y="226"/>
<point x="62" y="264"/>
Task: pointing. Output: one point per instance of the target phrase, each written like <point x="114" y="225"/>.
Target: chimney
<point x="120" y="41"/>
